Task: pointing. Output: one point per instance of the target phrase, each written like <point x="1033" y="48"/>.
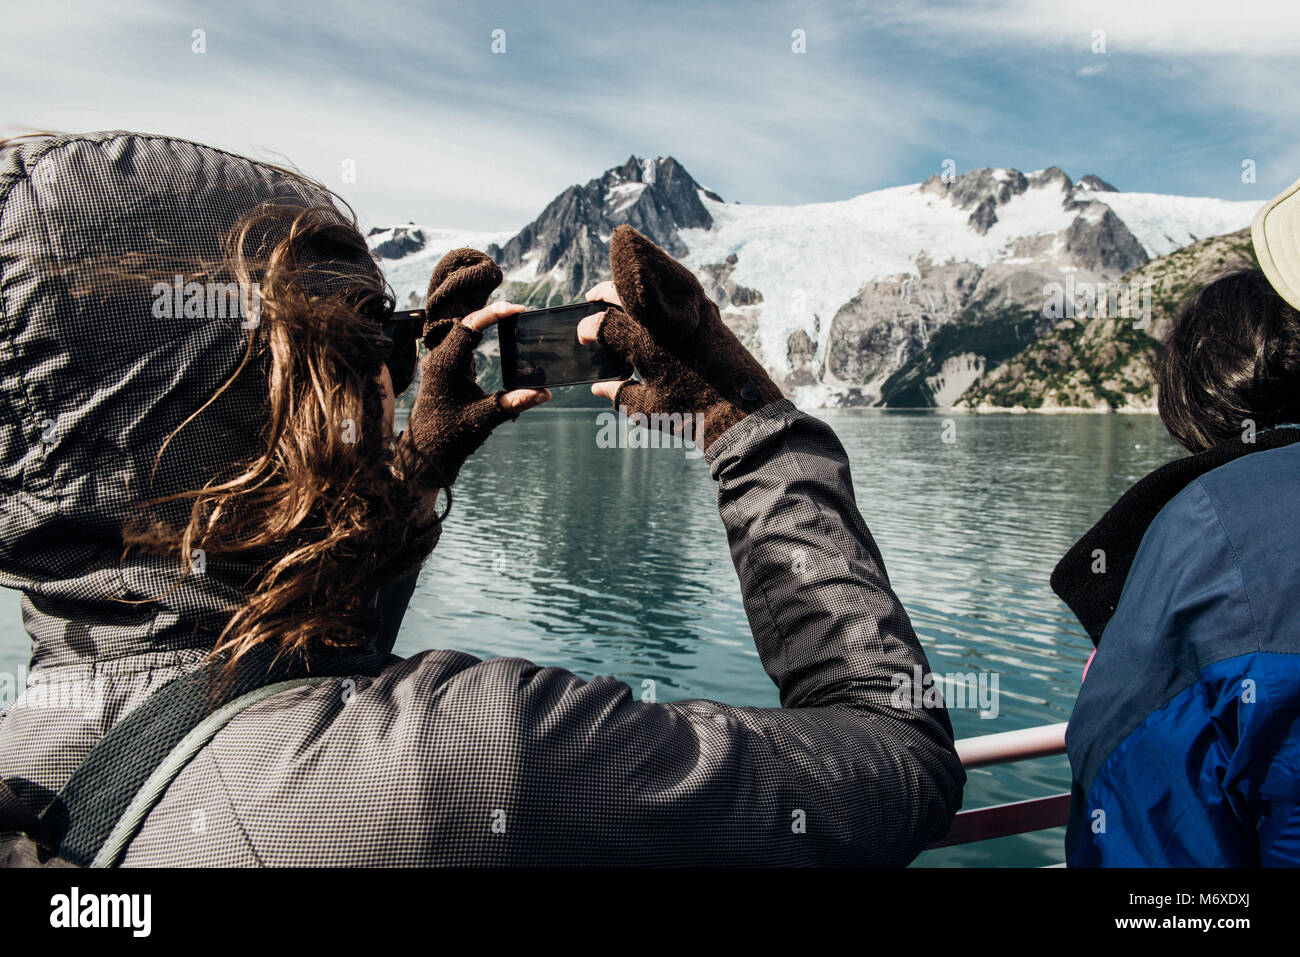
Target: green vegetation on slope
<point x="1107" y="363"/>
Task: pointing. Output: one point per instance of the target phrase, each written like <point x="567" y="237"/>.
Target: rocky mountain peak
<point x="557" y="256"/>
<point x="1096" y="184"/>
<point x="981" y="190"/>
<point x="970" y="190"/>
<point x="1052" y="177"/>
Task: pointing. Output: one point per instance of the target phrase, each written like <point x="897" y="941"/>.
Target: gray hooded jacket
<point x="440" y="759"/>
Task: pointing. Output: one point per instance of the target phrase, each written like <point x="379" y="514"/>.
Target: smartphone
<point x="540" y="349"/>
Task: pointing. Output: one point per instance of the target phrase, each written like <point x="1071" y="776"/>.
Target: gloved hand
<point x="661" y="319"/>
<point x="452" y="416"/>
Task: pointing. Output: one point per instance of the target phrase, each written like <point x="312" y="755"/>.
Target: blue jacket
<point x="1184" y="743"/>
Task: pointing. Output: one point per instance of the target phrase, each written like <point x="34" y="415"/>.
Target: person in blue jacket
<point x="1184" y="743"/>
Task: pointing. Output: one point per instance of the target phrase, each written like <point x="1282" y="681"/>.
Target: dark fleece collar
<point x="1093" y="596"/>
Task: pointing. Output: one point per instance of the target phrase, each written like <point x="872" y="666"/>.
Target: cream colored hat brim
<point x="1276" y="235"/>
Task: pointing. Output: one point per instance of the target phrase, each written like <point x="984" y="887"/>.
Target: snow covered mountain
<point x="842" y="300"/>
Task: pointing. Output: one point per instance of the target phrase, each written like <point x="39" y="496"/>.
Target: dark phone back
<point x="540" y="349"/>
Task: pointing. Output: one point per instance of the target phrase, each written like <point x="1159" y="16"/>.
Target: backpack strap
<point x="114" y="845"/>
<point x="106" y="800"/>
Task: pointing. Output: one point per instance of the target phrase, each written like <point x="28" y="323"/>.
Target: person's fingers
<point x="607" y="389"/>
<point x="518" y="400"/>
<point x="627" y="337"/>
<point x="589" y="329"/>
<point x="633" y="397"/>
<point x="490" y="314"/>
<point x="604" y="291"/>
<point x="460" y="284"/>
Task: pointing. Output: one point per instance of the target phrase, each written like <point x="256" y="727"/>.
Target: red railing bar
<point x="1003" y="820"/>
<point x="1017" y="817"/>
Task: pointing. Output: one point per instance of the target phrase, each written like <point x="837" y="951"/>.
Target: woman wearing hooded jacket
<point x="185" y="491"/>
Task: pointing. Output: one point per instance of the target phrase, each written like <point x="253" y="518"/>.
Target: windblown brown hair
<point x="328" y="521"/>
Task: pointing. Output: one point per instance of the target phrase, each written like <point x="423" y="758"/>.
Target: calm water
<point x="615" y="562"/>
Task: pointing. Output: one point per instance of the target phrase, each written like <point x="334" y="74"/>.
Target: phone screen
<point x="541" y="349"/>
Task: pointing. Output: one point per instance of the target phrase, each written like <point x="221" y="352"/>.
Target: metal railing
<point x="1017" y="817"/>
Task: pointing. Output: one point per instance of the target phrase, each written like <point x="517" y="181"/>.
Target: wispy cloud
<point x="1178" y="28"/>
<point x="442" y="129"/>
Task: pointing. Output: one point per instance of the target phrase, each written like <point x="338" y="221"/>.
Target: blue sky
<point x="444" y="131"/>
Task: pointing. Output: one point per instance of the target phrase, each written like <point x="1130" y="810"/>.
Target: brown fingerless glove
<point x="691" y="363"/>
<point x="452" y="416"/>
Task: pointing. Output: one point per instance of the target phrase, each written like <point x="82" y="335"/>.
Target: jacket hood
<point x="95" y="380"/>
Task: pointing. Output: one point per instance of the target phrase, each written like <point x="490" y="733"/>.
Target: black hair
<point x="1231" y="362"/>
